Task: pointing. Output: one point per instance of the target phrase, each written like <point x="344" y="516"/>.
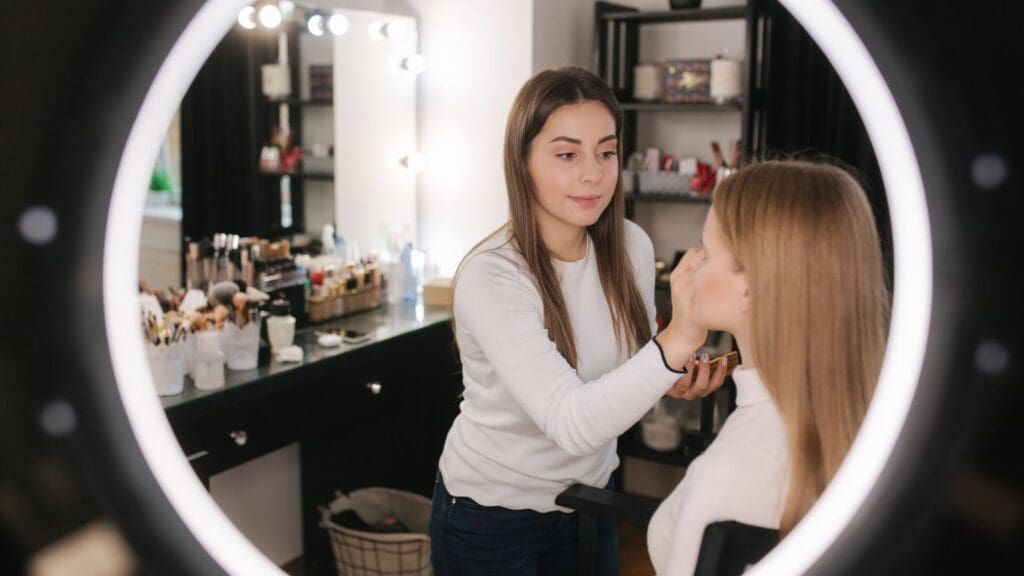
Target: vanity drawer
<point x="224" y="440"/>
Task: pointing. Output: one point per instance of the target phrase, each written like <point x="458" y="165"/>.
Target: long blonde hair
<point x="805" y="237"/>
<point x="537" y="100"/>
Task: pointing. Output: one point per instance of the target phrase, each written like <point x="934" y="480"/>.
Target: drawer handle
<point x="240" y="437"/>
<point x="374" y="387"/>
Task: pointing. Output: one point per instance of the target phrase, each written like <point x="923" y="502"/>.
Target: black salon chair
<point x="726" y="549"/>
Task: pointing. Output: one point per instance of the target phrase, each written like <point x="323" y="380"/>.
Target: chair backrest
<point x="727" y="548"/>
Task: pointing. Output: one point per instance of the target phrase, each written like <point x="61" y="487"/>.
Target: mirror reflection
<point x="413" y="273"/>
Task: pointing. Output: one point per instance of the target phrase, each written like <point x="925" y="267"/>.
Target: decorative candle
<point x="726" y="80"/>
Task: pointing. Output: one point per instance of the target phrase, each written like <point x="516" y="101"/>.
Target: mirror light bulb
<point x="414" y="63"/>
<point x="337" y="24"/>
<point x="316" y="25"/>
<point x="270" y="16"/>
<point x="246" y="18"/>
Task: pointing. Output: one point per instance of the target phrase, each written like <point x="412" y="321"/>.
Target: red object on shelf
<point x="317" y="277"/>
<point x="704" y="180"/>
<point x="290" y="160"/>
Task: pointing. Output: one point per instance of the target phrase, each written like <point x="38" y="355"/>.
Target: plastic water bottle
<point x="409" y="279"/>
<point x="327" y="240"/>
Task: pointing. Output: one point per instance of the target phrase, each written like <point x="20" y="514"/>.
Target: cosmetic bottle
<point x="280" y="325"/>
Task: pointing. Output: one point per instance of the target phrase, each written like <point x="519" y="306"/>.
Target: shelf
<point x="299" y="174"/>
<point x="686" y="15"/>
<point x="298" y="102"/>
<point x="681" y="107"/>
<point x="672" y="198"/>
<point x="631" y="444"/>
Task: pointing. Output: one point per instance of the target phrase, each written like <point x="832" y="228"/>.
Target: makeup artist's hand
<point x="682" y="336"/>
<point x="700" y="380"/>
<point x="684" y="295"/>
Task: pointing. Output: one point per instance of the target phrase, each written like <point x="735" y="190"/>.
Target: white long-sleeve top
<point x="742" y="476"/>
<point x="530" y="425"/>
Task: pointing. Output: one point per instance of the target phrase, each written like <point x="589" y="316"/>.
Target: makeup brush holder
<point x="167" y="366"/>
<point x="242" y="345"/>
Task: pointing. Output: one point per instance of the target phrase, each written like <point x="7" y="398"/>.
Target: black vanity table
<point x="370" y="414"/>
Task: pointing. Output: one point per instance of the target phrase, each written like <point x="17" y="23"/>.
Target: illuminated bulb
<point x="337" y="24"/>
<point x="378" y="30"/>
<point x="414" y="63"/>
<point x="286" y="6"/>
<point x="246" y="18"/>
<point x="270" y="16"/>
<point x="415" y="162"/>
<point x="316" y="25"/>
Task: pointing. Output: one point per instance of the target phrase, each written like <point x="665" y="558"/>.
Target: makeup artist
<point x="554" y="315"/>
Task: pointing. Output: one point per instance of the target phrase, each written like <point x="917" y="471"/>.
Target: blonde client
<point x="791" y="265"/>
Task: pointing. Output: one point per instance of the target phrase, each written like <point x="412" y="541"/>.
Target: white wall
<point x="478" y="55"/>
<point x="261" y="497"/>
<point x="562" y="34"/>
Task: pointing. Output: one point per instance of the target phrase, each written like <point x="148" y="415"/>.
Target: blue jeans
<point x="467" y="539"/>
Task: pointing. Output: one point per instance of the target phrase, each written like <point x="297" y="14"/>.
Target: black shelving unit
<point x="617" y="30"/>
<point x="666" y="107"/>
<point x="264" y="118"/>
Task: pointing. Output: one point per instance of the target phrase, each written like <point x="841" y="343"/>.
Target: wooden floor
<point x="633" y="559"/>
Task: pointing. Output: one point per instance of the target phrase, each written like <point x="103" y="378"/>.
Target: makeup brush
<point x="717" y="150"/>
<point x="240" y="301"/>
<point x="220" y="314"/>
<point x="223" y="292"/>
<point x="256" y="296"/>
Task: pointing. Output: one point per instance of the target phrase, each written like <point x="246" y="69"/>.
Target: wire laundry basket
<point x="360" y="553"/>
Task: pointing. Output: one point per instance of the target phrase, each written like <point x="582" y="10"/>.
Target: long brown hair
<point x="537" y="100"/>
<point x="804" y="234"/>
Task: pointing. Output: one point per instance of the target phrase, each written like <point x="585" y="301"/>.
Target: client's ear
<point x="744" y="289"/>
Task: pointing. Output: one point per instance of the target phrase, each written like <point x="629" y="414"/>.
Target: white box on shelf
<point x="664" y="183"/>
<point x="626" y="176"/>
